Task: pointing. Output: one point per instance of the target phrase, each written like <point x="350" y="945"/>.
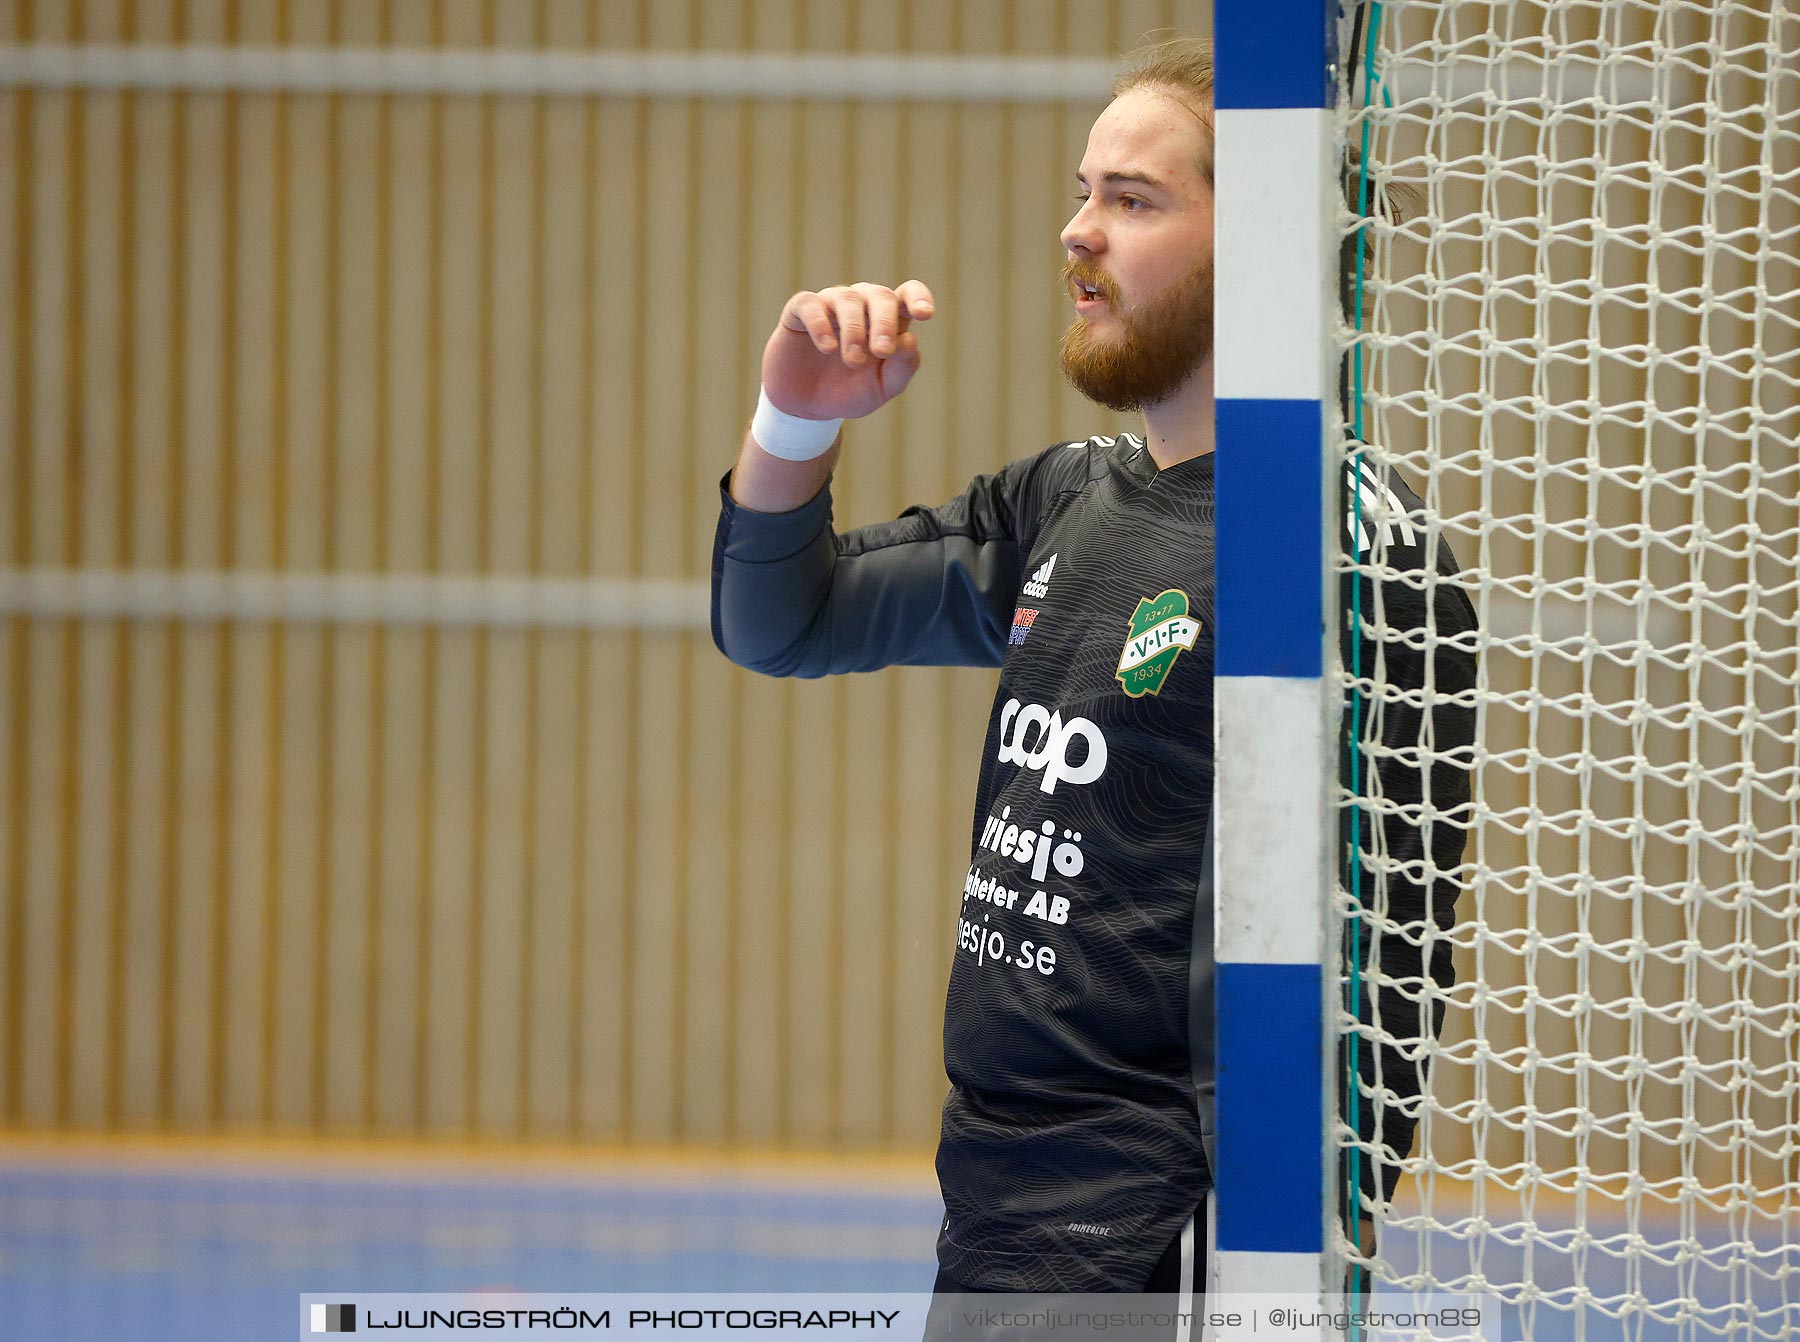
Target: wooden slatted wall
<point x="509" y="882"/>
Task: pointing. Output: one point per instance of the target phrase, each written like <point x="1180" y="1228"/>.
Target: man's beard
<point x="1156" y="349"/>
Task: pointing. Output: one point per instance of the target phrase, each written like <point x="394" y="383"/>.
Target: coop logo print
<point x="1160" y="630"/>
<point x="1033" y="737"/>
<point x="334" y="1318"/>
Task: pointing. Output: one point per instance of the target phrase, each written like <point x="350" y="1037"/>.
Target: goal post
<point x="1573" y="329"/>
<point x="1273" y="823"/>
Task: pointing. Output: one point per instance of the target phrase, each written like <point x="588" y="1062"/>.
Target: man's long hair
<point x="1181" y="67"/>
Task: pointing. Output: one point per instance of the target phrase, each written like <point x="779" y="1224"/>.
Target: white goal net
<point x="1580" y="343"/>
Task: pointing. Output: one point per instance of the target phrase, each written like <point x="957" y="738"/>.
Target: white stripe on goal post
<point x="1276" y="268"/>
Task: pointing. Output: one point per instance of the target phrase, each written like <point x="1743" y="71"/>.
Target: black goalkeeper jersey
<point x="1078" y="1027"/>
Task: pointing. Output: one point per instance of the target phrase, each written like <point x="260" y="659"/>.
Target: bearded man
<point x="1078" y="1034"/>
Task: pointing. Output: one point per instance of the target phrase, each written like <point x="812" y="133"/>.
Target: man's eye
<point x="1123" y="200"/>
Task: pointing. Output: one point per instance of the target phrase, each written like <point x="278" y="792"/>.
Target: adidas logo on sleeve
<point x="1039" y="586"/>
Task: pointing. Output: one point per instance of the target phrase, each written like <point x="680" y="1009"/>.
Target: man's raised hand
<point x="846" y="351"/>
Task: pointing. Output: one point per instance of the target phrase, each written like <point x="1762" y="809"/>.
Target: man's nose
<point x="1082" y="233"/>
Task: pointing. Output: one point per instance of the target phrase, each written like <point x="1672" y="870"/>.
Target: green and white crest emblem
<point x="1160" y="628"/>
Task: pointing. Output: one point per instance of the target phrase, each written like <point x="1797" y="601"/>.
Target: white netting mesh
<point x="1583" y="352"/>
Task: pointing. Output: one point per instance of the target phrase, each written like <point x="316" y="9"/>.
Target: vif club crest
<point x="1161" y="629"/>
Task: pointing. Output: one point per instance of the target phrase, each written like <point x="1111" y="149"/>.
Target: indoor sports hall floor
<point x="182" y="1244"/>
<point x="142" y="1244"/>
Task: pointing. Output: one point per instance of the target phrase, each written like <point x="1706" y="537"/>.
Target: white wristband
<point x="791" y="437"/>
